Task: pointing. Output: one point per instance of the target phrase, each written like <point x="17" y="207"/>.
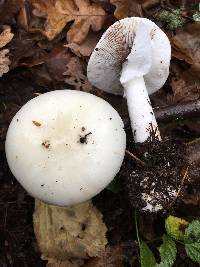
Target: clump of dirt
<point x="155" y="185"/>
<point x="83" y="139"/>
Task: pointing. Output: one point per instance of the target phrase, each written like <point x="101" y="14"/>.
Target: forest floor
<point x="46" y="47"/>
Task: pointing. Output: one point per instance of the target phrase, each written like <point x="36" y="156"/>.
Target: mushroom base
<point x="157" y="185"/>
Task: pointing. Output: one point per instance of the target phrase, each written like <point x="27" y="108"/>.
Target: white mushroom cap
<point x="149" y="55"/>
<point x="65" y="146"/>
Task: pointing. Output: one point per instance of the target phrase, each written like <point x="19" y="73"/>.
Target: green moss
<point x="196" y="16"/>
<point x="172" y="18"/>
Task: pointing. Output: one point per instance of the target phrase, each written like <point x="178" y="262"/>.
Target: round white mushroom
<point x="65" y="146"/>
<point x="132" y="58"/>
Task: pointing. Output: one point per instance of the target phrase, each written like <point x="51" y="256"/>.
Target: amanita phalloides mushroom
<point x="65" y="146"/>
<point x="132" y="58"/>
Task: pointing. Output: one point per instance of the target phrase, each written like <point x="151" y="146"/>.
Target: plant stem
<point x="136" y="226"/>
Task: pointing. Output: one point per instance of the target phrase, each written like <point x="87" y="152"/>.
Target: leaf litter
<point x="58" y="13"/>
<point x="5" y="37"/>
<point x="46" y="46"/>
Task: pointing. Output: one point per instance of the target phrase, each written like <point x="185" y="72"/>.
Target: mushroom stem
<point x="140" y="110"/>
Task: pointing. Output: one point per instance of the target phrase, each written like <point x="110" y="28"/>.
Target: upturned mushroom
<point x="65" y="146"/>
<point x="132" y="58"/>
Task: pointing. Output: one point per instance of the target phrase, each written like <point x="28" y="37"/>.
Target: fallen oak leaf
<point x="186" y="45"/>
<point x="60" y="263"/>
<point x="85" y="49"/>
<point x="122" y="254"/>
<point x="147" y="4"/>
<point x="111" y="257"/>
<point x="63" y="65"/>
<point x="70" y="233"/>
<point x="8" y="11"/>
<point x="186" y="86"/>
<point x="25" y="49"/>
<point x="82" y="13"/>
<point x="5" y="37"/>
<point x="126" y="8"/>
<point x="4" y="62"/>
<point x="75" y="76"/>
<point x="57" y="60"/>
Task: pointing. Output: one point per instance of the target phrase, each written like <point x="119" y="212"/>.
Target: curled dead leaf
<point x="4" y="62"/>
<point x="193" y="158"/>
<point x="66" y="263"/>
<point x="82" y="13"/>
<point x="122" y="254"/>
<point x="75" y="75"/>
<point x="192" y="196"/>
<point x="8" y="11"/>
<point x="57" y="60"/>
<point x="146" y="4"/>
<point x="63" y="65"/>
<point x="126" y="8"/>
<point x="5" y="37"/>
<point x="70" y="233"/>
<point x="186" y="85"/>
<point x="186" y="44"/>
<point x="112" y="257"/>
<point x="87" y="46"/>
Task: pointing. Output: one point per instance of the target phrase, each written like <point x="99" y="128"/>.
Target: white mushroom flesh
<point x="133" y="52"/>
<point x="65" y="146"/>
<point x="141" y="114"/>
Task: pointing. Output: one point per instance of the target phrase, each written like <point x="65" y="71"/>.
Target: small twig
<point x="5" y="218"/>
<point x="135" y="158"/>
<point x="194" y="141"/>
<point x="180" y="187"/>
<point x="185" y="110"/>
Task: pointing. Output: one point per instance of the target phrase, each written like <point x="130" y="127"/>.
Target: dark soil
<point x="18" y="247"/>
<point x="160" y="181"/>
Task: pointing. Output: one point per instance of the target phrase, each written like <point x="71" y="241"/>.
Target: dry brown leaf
<point x="193" y="160"/>
<point x="126" y="8"/>
<point x="59" y="263"/>
<point x="63" y="65"/>
<point x="186" y="86"/>
<point x="4" y="62"/>
<point x="112" y="257"/>
<point x="8" y="11"/>
<point x="82" y="13"/>
<point x="122" y="254"/>
<point x="149" y="3"/>
<point x="186" y="44"/>
<point x="86" y="48"/>
<point x="5" y="37"/>
<point x="57" y="60"/>
<point x="75" y="75"/>
<point x="69" y="233"/>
